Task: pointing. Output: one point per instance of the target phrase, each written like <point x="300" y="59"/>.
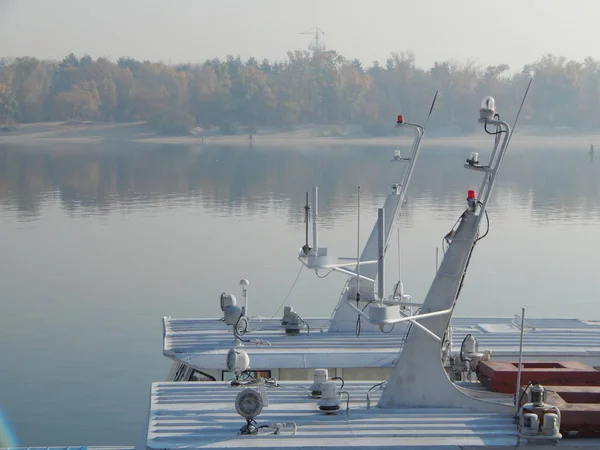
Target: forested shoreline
<point x="323" y="88"/>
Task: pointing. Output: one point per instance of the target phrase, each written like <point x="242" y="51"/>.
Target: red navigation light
<point x="400" y="118"/>
<point x="471" y="194"/>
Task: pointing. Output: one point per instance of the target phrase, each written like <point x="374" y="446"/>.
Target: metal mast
<point x="316" y="45"/>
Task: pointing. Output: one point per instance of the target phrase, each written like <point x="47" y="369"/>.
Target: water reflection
<point x="551" y="184"/>
<point x="82" y="298"/>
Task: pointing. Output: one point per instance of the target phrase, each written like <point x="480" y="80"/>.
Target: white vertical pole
<point x="519" y="369"/>
<point x="315" y="230"/>
<point x="380" y="261"/>
<point x="358" y="246"/>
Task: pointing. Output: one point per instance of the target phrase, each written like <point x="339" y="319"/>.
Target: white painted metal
<point x="520" y="366"/>
<point x="87" y="447"/>
<point x="194" y="415"/>
<point x="344" y="318"/>
<point x="204" y="343"/>
<point x="199" y="415"/>
<point x="357" y="279"/>
<point x="315" y="217"/>
<point x="367" y="265"/>
<point x="381" y="259"/>
<point x="244" y="284"/>
<point x="418" y="378"/>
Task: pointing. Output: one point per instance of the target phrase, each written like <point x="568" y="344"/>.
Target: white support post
<point x="315" y="229"/>
<point x="520" y="368"/>
<point x="380" y="262"/>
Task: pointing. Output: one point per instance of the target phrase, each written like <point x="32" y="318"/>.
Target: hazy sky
<point x="193" y="30"/>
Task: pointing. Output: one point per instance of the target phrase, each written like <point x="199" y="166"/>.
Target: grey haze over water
<point x="99" y="243"/>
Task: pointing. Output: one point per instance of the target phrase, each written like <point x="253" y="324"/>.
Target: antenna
<point x="430" y="111"/>
<point x="316" y="45"/>
<point x="358" y="248"/>
<point x="519" y="112"/>
<point x="306" y="248"/>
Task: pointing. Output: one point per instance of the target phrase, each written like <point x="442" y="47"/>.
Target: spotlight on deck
<point x="227" y="300"/>
<point x="249" y="404"/>
<point x="238" y="361"/>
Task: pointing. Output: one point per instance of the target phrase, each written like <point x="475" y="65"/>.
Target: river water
<point x="99" y="242"/>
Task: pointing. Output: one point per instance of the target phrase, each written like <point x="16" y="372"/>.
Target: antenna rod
<point x="519" y="112"/>
<point x="306" y="217"/>
<point x="512" y="130"/>
<point x="490" y="179"/>
<point x="419" y="133"/>
<point x="306" y="248"/>
<point x="315" y="231"/>
<point x="430" y="111"/>
<point x="358" y="249"/>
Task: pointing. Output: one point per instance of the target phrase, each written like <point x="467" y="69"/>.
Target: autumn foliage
<point x="324" y="88"/>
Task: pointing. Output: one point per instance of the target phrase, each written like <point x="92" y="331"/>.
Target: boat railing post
<point x="244" y="283"/>
<point x="520" y="367"/>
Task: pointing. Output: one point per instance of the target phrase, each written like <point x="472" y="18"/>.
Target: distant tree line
<point x="322" y="88"/>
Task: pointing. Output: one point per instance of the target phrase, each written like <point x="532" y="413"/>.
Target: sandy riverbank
<point x="94" y="133"/>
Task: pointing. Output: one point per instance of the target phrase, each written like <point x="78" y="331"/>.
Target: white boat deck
<point x="198" y="415"/>
<point x="77" y="447"/>
<point x="204" y="343"/>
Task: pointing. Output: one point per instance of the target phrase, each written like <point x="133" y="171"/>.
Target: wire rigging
<point x="290" y="291"/>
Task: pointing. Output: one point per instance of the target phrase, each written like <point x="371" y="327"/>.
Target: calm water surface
<point x="100" y="242"/>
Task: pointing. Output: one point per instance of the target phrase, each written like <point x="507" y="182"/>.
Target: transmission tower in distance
<point x="316" y="45"/>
